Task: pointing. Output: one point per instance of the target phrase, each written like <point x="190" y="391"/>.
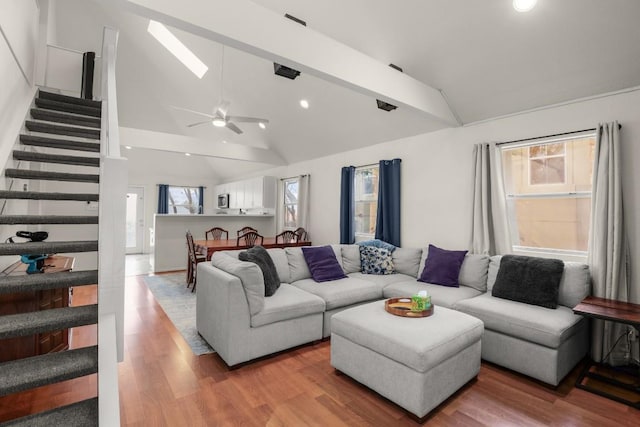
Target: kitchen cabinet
<point x="255" y="193"/>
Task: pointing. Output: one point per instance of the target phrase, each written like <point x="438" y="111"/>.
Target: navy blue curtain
<point x="347" y="206"/>
<point x="388" y="221"/>
<point x="201" y="201"/>
<point x="163" y="199"/>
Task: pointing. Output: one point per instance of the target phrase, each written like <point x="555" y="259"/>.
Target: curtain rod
<point x="368" y="166"/>
<point x="295" y="176"/>
<point x="551" y="136"/>
<point x="175" y="185"/>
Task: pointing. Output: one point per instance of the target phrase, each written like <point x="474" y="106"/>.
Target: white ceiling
<point x="488" y="59"/>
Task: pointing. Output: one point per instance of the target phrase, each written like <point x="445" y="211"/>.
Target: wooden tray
<point x="402" y="307"/>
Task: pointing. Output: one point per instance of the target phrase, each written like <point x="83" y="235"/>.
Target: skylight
<point x="177" y="48"/>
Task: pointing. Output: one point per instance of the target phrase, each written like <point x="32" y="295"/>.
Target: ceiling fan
<point x="220" y="117"/>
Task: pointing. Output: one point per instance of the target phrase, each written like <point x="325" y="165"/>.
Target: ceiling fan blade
<point x="198" y="123"/>
<point x="243" y="119"/>
<point x="234" y="128"/>
<point x="192" y="111"/>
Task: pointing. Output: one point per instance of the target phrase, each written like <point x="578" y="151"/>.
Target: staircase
<point x="60" y="124"/>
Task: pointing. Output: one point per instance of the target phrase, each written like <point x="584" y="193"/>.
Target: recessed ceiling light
<point x="187" y="154"/>
<point x="304" y="103"/>
<point x="177" y="48"/>
<point x="218" y="122"/>
<point x="224" y="142"/>
<point x="262" y="125"/>
<point x="128" y="147"/>
<point x="524" y="5"/>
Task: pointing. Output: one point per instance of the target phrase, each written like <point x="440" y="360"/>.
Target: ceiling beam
<point x="249" y="27"/>
<point x="141" y="138"/>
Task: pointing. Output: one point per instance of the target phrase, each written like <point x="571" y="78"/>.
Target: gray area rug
<point x="170" y="290"/>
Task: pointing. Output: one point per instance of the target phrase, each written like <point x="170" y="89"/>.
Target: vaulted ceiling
<point x="487" y="59"/>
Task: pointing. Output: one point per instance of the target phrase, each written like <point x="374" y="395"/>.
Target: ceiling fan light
<point x="524" y="5"/>
<point x="218" y="122"/>
<point x="262" y="125"/>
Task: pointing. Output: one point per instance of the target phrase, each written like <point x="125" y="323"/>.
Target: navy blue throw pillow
<point x="322" y="263"/>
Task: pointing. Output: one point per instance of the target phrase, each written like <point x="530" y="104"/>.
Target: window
<point x="548" y="194"/>
<point x="366" y="201"/>
<point x="547" y="164"/>
<point x="184" y="200"/>
<point x="290" y="210"/>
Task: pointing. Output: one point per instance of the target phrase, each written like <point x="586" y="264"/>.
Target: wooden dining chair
<point x="246" y="229"/>
<point x="194" y="258"/>
<point x="287" y="236"/>
<point x="302" y="234"/>
<point x="250" y="238"/>
<point x="216" y="233"/>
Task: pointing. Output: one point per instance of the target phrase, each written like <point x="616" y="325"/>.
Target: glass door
<point x="135" y="219"/>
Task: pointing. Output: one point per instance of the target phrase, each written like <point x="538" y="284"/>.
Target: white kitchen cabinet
<point x="254" y="193"/>
<point x="240" y="194"/>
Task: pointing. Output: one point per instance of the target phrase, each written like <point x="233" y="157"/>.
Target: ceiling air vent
<point x="283" y="70"/>
<point x="385" y="105"/>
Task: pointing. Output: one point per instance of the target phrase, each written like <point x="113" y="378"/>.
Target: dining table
<point x="211" y="246"/>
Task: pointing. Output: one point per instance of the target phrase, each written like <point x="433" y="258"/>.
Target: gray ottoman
<point x="414" y="362"/>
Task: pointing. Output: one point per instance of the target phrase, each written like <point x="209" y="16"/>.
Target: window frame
<point x="512" y="220"/>
<point x="359" y="236"/>
<point x="170" y="205"/>
<point x="564" y="164"/>
<point x="285" y="204"/>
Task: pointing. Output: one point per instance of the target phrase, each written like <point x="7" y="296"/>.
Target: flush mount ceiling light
<point x="304" y="103"/>
<point x="524" y="5"/>
<point x="177" y="48"/>
<point x="262" y="125"/>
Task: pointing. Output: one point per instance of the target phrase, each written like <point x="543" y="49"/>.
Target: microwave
<point x="223" y="201"/>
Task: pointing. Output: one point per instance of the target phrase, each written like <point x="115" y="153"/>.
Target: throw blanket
<point x="529" y="279"/>
<point x="261" y="257"/>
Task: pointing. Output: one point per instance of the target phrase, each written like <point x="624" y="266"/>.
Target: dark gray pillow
<point x="260" y="256"/>
<point x="529" y="279"/>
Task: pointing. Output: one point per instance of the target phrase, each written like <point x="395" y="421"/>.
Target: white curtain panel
<point x="303" y="202"/>
<point x="608" y="256"/>
<point x="280" y="208"/>
<point x="489" y="229"/>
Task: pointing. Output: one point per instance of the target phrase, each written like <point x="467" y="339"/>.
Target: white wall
<point x="149" y="168"/>
<point x="17" y="55"/>
<point x="437" y="180"/>
<point x="18" y="37"/>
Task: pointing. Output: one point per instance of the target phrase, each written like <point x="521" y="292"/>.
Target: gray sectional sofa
<point x="241" y="324"/>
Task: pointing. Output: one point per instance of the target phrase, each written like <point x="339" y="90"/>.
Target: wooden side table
<point x="22" y="302"/>
<point x="614" y="311"/>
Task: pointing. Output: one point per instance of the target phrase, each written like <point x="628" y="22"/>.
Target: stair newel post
<point x="88" y="63"/>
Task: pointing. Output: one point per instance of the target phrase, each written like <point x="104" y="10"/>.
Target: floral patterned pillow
<point x="376" y="260"/>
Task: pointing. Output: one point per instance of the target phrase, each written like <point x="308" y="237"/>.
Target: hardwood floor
<point x="163" y="384"/>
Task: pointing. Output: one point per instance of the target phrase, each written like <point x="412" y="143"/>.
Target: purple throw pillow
<point x="442" y="267"/>
<point x="322" y="263"/>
